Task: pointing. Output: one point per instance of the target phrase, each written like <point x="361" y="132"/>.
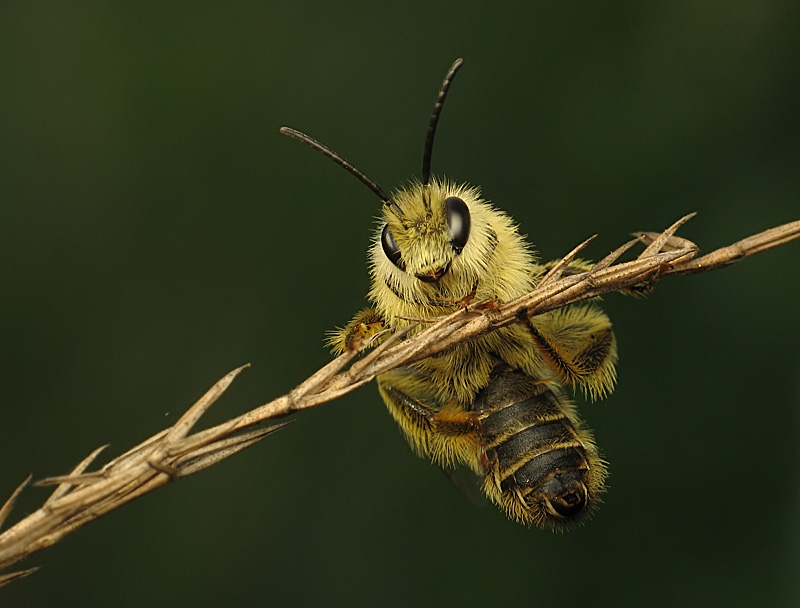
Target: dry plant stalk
<point x="82" y="497"/>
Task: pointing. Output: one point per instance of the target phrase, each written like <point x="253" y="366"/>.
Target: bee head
<point x="428" y="228"/>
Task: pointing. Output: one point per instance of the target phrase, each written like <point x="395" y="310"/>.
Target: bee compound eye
<point x="458" y="222"/>
<point x="391" y="249"/>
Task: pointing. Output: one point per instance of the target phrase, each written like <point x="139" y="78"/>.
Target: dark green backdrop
<point x="157" y="231"/>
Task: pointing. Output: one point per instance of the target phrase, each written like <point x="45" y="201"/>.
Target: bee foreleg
<point x="356" y="333"/>
<point x="578" y="344"/>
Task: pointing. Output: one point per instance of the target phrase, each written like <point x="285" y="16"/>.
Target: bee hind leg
<point x="448" y="436"/>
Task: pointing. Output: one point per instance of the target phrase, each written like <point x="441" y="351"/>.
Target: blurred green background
<point x="157" y="232"/>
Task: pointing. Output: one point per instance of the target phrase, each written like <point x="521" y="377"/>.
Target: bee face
<point x="432" y="230"/>
<point x="436" y="243"/>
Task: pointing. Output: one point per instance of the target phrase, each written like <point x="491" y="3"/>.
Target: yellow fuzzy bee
<point x="495" y="404"/>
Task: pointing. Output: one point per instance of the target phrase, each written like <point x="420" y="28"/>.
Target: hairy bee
<point x="495" y="404"/>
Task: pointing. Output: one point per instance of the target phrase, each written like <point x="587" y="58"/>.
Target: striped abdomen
<point x="540" y="464"/>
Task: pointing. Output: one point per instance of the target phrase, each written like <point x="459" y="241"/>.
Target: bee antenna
<point x="437" y="110"/>
<point x="313" y="143"/>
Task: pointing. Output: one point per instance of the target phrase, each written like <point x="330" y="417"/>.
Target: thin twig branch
<point x="81" y="497"/>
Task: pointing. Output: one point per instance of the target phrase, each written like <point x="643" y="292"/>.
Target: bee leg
<point x="462" y="302"/>
<point x="447" y="436"/>
<point x="647" y="285"/>
<point x="578" y="344"/>
<point x="356" y="333"/>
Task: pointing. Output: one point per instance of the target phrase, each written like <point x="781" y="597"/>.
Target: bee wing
<point x="467" y="483"/>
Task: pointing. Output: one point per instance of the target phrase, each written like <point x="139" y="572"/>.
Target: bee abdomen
<point x="540" y="465"/>
<point x="525" y="443"/>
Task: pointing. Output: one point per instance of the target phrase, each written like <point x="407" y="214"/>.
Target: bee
<point x="496" y="404"/>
